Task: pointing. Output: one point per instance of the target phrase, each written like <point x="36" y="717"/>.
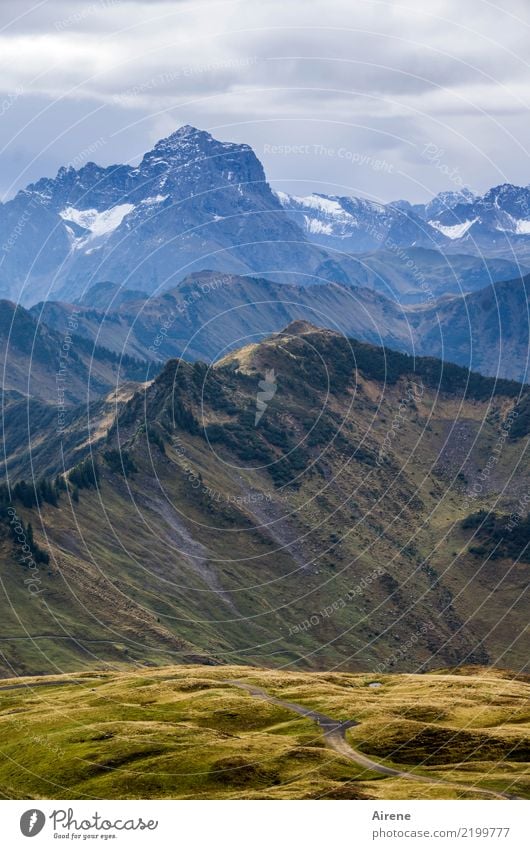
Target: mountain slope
<point x="318" y="533"/>
<point x="57" y="365"/>
<point x="37" y="443"/>
<point x="489" y="329"/>
<point x="208" y="314"/>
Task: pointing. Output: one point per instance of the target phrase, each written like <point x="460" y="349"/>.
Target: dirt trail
<point x="335" y="735"/>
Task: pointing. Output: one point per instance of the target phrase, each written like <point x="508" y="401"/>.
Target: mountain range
<point x="209" y="313"/>
<point x="194" y="203"/>
<point x="201" y="384"/>
<point x="186" y="528"/>
<point x="497" y="223"/>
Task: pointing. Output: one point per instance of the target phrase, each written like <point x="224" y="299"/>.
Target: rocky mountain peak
<point x="299" y="327"/>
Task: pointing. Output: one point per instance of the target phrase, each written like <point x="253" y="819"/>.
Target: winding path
<point x="335" y="735"/>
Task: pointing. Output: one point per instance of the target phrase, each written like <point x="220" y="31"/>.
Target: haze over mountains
<point x="195" y="203"/>
<point x="209" y="313"/>
<point x="135" y="248"/>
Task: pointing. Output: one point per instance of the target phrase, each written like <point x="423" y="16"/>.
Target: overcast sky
<point x="382" y="99"/>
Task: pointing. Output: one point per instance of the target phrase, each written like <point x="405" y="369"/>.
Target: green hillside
<point x="327" y="535"/>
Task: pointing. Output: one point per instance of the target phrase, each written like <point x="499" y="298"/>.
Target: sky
<point x="380" y="99"/>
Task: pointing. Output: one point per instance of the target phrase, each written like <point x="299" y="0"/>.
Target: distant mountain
<point x="418" y="275"/>
<point x="311" y="537"/>
<point x="196" y="203"/>
<point x="192" y="202"/>
<point x="489" y="329"/>
<point x="208" y="314"/>
<point x="57" y="364"/>
<point x="445" y="201"/>
<point x="498" y="223"/>
<point x="107" y="295"/>
<point x="356" y="225"/>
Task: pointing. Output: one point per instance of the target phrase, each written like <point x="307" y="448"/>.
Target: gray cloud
<point x="378" y="78"/>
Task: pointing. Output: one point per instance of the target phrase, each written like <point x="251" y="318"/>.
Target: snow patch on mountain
<point x="522" y="226"/>
<point x="154" y="200"/>
<point x="453" y="231"/>
<point x="324" y="204"/>
<point x="98" y="223"/>
<point x="313" y="225"/>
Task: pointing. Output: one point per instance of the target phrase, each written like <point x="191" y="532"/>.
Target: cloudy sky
<point x="374" y="97"/>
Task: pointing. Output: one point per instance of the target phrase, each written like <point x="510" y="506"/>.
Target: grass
<point x="186" y="732"/>
<point x="155" y="569"/>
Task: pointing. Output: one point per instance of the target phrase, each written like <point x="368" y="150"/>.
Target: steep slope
<point x="37" y="443"/>
<point x="57" y="365"/>
<point x="488" y="329"/>
<point x="299" y="503"/>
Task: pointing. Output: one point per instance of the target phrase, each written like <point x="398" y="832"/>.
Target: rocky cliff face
<point x="192" y="203"/>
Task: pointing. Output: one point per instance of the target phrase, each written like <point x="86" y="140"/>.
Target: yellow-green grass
<point x="187" y="732"/>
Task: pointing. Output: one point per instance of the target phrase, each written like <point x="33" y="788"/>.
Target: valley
<point x="199" y="732"/>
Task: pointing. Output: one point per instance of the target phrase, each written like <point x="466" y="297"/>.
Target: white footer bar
<point x="264" y="824"/>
